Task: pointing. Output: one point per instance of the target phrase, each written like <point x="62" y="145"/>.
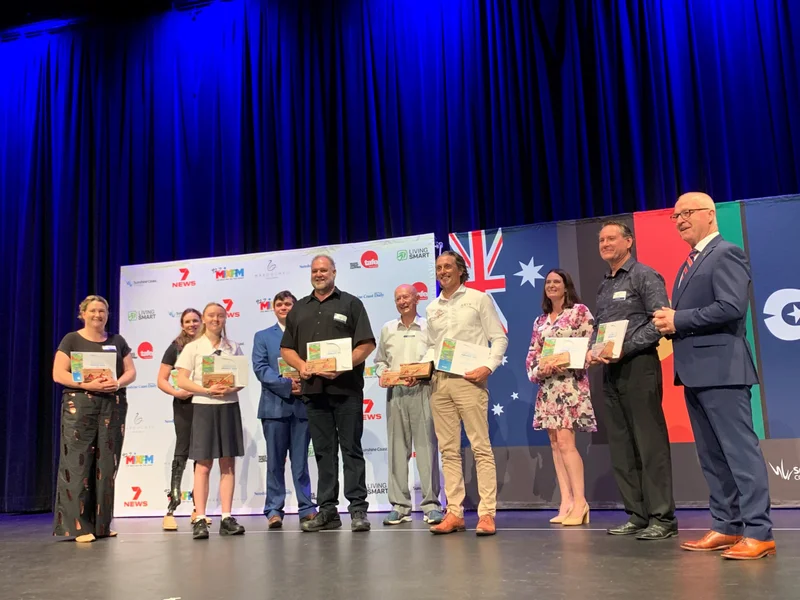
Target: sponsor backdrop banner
<point x="511" y="263"/>
<point x="152" y="298"/>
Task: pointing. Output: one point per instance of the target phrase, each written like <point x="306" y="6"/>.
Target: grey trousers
<point x="409" y="422"/>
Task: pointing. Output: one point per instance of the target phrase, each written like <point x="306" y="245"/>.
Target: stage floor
<point x="528" y="558"/>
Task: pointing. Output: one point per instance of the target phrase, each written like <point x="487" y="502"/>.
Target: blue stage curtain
<point x="258" y="125"/>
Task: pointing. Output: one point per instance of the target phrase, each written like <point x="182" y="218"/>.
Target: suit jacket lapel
<point x="678" y="291"/>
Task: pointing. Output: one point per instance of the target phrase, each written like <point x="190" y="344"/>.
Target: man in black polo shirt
<point x="637" y="430"/>
<point x="334" y="401"/>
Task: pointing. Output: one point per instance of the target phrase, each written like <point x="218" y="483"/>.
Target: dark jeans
<point x="338" y="421"/>
<point x="637" y="437"/>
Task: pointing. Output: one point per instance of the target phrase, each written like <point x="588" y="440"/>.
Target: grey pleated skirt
<point x="216" y="431"/>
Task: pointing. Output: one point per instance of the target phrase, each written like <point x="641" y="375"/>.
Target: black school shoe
<point x="321" y="522"/>
<point x="359" y="521"/>
<point x="229" y="526"/>
<point x="200" y="529"/>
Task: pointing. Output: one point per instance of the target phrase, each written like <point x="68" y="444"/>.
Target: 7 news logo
<point x="135" y="502"/>
<point x="368" y="414"/>
<point x="228" y="303"/>
<point x="184" y="280"/>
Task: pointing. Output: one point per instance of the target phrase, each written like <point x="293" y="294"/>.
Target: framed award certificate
<point x="458" y="357"/>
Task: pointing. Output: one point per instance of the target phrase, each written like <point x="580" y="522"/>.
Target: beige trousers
<point x="454" y="401"/>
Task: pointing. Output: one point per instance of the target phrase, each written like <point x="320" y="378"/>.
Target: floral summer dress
<point x="563" y="401"/>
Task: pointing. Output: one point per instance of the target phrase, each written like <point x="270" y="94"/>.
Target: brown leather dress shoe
<point x="450" y="524"/>
<point x="275" y="522"/>
<point x="711" y="541"/>
<point x="485" y="526"/>
<point x="750" y="549"/>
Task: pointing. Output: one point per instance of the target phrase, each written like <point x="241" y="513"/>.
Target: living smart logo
<point x="141" y="315"/>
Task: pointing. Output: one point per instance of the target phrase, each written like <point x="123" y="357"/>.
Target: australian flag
<point x="510" y="265"/>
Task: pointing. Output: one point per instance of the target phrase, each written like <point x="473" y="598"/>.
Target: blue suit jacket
<point x="709" y="345"/>
<point x="276" y="392"/>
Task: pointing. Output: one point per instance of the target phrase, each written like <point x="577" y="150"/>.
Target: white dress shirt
<point x="701" y="245"/>
<point x="399" y="345"/>
<point x="191" y="359"/>
<point x="470" y="316"/>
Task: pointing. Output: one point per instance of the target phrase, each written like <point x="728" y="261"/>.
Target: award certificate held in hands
<point x="90" y="366"/>
<point x="341" y="350"/>
<point x="231" y="371"/>
<point x="565" y="352"/>
<point x="458" y="357"/>
<point x="610" y="337"/>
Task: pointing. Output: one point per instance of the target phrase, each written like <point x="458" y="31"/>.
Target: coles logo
<point x="135" y="502"/>
<point x="422" y="290"/>
<point x="368" y="414"/>
<point x="369" y="260"/>
<point x="228" y="304"/>
<point x="184" y="281"/>
<point x="145" y="350"/>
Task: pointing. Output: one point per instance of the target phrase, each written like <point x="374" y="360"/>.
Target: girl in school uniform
<point x="216" y="421"/>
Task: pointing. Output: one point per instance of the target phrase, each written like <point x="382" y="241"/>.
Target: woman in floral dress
<point x="563" y="404"/>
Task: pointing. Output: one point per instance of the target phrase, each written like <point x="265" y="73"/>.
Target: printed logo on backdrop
<point x="271" y="271"/>
<point x="373" y="489"/>
<point x="228" y="304"/>
<point x="369" y="260"/>
<point x="141" y="315"/>
<point x="134" y="501"/>
<point x="368" y="451"/>
<point x="264" y="305"/>
<point x="787" y="474"/>
<point x="185" y="496"/>
<point x="138" y="460"/>
<point x="184" y="280"/>
<point x="370" y="296"/>
<point x="369" y="413"/>
<point x="139" y="282"/>
<point x="142" y="386"/>
<point x="370" y="371"/>
<point x="413" y="254"/>
<point x="226" y="274"/>
<point x="783" y="314"/>
<point x="144" y="351"/>
<point x="138" y="424"/>
<point x="422" y="290"/>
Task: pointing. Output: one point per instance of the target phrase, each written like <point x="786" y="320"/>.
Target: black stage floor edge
<point x="528" y="558"/>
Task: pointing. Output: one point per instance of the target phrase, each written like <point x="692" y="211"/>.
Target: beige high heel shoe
<point x="575" y="518"/>
<point x="559" y="518"/>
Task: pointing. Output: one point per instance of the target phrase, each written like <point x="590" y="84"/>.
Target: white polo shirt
<point x="191" y="359"/>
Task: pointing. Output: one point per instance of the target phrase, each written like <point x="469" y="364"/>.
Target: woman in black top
<point x="92" y="428"/>
<point x="181" y="410"/>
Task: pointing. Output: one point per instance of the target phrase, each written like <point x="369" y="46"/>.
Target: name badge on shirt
<point x="620" y="295"/>
<point x="114" y="348"/>
<point x="339" y="317"/>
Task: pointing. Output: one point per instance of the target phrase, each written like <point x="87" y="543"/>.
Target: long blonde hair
<point x="224" y="338"/>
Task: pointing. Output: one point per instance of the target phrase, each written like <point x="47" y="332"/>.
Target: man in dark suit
<point x="284" y="420"/>
<point x="714" y="364"/>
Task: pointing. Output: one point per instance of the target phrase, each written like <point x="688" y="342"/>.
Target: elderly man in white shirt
<point x="466" y="315"/>
<point x="408" y="413"/>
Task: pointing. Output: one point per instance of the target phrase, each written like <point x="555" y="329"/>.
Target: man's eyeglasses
<point x="685" y="214"/>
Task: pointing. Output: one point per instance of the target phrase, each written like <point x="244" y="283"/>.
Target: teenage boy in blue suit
<point x="283" y="419"/>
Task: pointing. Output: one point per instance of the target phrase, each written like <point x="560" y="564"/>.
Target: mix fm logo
<point x="139" y="460"/>
<point x="369" y="260"/>
<point x="368" y="414"/>
<point x="228" y="304"/>
<point x="422" y="290"/>
<point x="264" y="304"/>
<point x="145" y="351"/>
<point x="184" y="281"/>
<point x="135" y="502"/>
<point x="223" y="274"/>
